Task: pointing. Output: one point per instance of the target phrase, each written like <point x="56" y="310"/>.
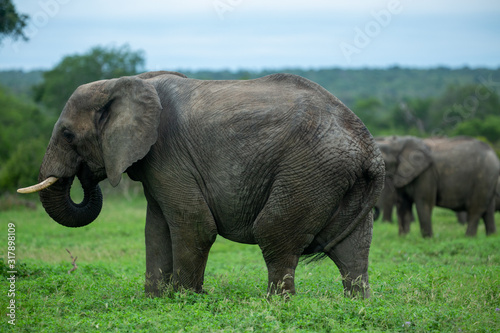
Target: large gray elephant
<point x="458" y="173"/>
<point x="276" y="161"/>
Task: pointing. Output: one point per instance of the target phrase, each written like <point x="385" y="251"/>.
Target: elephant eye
<point x="68" y="136"/>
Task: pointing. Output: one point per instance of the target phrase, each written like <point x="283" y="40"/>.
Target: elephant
<point x="462" y="216"/>
<point x="457" y="173"/>
<point x="385" y="203"/>
<point x="387" y="200"/>
<point x="497" y="196"/>
<point x="276" y="161"/>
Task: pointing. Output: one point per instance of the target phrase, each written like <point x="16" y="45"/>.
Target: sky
<point x="263" y="34"/>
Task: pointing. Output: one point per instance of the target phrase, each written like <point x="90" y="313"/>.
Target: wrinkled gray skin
<point x="458" y="173"/>
<point x="277" y="161"/>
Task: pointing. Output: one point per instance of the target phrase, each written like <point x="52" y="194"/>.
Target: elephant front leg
<point x="424" y="212"/>
<point x="489" y="218"/>
<point x="159" y="263"/>
<point x="403" y="209"/>
<point x="190" y="260"/>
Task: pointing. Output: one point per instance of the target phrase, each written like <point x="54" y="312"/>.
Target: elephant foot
<point x="161" y="289"/>
<point x="152" y="290"/>
<point x="472" y="229"/>
<point x="404" y="228"/>
<point x="284" y="287"/>
<point x="356" y="288"/>
<point x="471" y="233"/>
<point x="403" y="232"/>
<point x="427" y="234"/>
<point x="157" y="287"/>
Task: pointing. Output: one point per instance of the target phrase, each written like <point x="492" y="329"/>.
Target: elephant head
<point x="405" y="158"/>
<point x="104" y="128"/>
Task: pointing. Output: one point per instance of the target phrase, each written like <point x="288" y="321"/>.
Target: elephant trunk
<point x="58" y="204"/>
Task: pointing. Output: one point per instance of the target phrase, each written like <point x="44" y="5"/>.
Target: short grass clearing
<point x="449" y="283"/>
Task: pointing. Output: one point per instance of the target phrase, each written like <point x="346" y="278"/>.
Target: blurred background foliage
<point x="99" y="63"/>
<point x="12" y="23"/>
<point x="421" y="102"/>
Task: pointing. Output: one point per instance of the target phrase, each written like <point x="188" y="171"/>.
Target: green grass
<point x="446" y="284"/>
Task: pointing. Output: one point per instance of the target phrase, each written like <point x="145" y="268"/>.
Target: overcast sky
<point x="263" y="34"/>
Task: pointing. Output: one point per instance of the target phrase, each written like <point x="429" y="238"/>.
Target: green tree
<point x="488" y="128"/>
<point x="21" y="169"/>
<point x="459" y="104"/>
<point x="24" y="133"/>
<point x="11" y="22"/>
<point x="370" y="112"/>
<point x="412" y="115"/>
<point x="19" y="120"/>
<point x="97" y="64"/>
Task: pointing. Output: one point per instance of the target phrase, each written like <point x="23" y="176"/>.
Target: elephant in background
<point x="385" y="203"/>
<point x="458" y="173"/>
<point x="388" y="199"/>
<point x="462" y="216"/>
<point x="497" y="196"/>
<point x="276" y="161"/>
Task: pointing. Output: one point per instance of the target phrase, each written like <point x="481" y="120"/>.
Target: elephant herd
<point x="460" y="173"/>
<point x="276" y="161"/>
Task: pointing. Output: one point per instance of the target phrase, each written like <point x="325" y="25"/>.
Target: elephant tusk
<point x="38" y="187"/>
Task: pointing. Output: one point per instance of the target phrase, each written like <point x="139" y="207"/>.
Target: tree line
<point x="425" y="102"/>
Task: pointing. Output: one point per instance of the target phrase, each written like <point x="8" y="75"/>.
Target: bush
<point x="21" y="169"/>
<point x="488" y="128"/>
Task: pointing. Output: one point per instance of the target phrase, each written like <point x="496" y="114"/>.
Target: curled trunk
<point x="58" y="204"/>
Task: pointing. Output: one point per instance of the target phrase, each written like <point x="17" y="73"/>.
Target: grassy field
<point x="446" y="284"/>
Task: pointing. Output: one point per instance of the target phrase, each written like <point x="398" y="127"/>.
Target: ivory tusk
<point x="38" y="187"/>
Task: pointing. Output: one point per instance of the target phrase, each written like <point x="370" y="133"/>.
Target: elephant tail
<point x="370" y="186"/>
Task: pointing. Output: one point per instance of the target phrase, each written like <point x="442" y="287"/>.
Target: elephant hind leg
<point x="489" y="218"/>
<point x="281" y="258"/>
<point x="281" y="274"/>
<point x="473" y="217"/>
<point x="472" y="225"/>
<point x="277" y="222"/>
<point x="351" y="257"/>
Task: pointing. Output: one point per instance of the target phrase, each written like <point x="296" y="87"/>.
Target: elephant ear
<point x="127" y="124"/>
<point x="415" y="158"/>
